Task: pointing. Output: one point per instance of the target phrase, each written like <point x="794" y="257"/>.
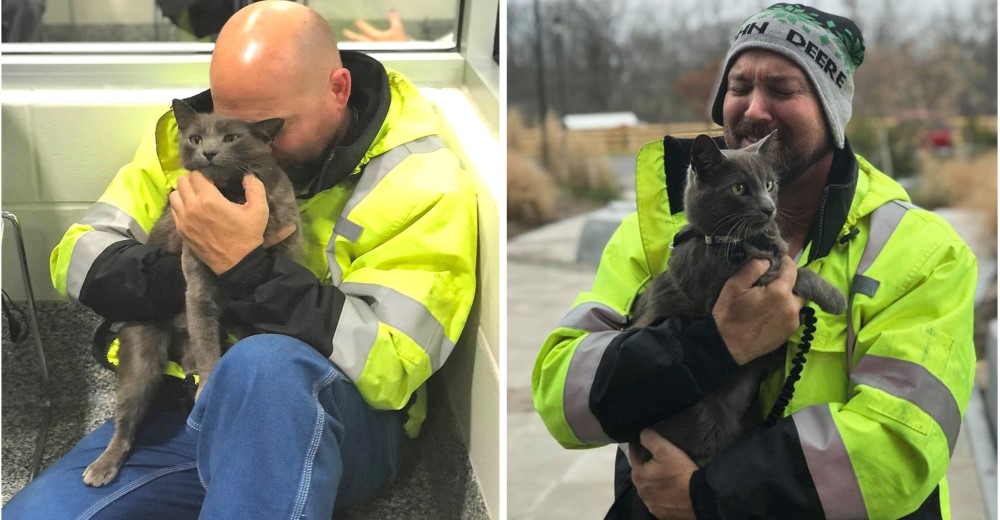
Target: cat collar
<point x="724" y="239"/>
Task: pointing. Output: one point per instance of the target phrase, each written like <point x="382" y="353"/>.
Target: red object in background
<point x="936" y="132"/>
<point x="939" y="137"/>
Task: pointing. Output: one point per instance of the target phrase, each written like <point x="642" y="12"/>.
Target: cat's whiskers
<point x="725" y="221"/>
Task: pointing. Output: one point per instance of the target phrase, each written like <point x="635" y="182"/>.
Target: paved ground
<point x="546" y="481"/>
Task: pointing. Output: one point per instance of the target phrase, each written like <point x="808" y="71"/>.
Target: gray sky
<point x="911" y="10"/>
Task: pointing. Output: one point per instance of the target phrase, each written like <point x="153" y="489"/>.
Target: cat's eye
<point x="739" y="188"/>
<point x="229" y="138"/>
<point x="195" y="139"/>
<point x="769" y="186"/>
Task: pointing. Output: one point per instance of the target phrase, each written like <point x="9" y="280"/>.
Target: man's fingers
<point x="355" y="37"/>
<point x="199" y="182"/>
<point x="176" y="203"/>
<point x="657" y="445"/>
<point x="787" y="274"/>
<point x="751" y="272"/>
<point x="394" y="21"/>
<point x="366" y="28"/>
<point x="254" y="190"/>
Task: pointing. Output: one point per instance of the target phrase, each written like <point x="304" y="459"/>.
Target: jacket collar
<point x="835" y="202"/>
<point x="370" y="98"/>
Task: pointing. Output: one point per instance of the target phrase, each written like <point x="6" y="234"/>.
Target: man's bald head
<point x="273" y="41"/>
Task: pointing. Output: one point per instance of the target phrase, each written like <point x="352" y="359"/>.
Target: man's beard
<point x="792" y="161"/>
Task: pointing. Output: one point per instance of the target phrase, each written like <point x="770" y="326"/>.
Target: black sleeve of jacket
<point x="134" y="281"/>
<point x="276" y="295"/>
<point x="761" y="476"/>
<point x="647" y="375"/>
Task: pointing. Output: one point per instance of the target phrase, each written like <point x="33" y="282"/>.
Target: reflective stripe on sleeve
<point x="914" y="383"/>
<point x="593" y="317"/>
<point x="354" y="337"/>
<point x="579" y="380"/>
<point x="107" y="217"/>
<point x="110" y="225"/>
<point x="829" y="463"/>
<point x="87" y="248"/>
<point x="406" y="315"/>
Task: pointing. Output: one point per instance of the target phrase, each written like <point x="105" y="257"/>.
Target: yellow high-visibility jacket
<point x="389" y="227"/>
<point x="872" y="423"/>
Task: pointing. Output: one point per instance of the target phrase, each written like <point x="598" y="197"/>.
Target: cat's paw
<point x="832" y="302"/>
<point x="771" y="273"/>
<point x="100" y="472"/>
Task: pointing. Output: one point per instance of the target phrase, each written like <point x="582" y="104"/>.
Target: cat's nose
<point x="210" y="155"/>
<point x="768" y="212"/>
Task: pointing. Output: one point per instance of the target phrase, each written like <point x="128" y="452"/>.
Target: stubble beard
<point x="792" y="160"/>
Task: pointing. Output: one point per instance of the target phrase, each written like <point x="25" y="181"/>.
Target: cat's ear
<point x="183" y="113"/>
<point x="768" y="146"/>
<point x="705" y="154"/>
<point x="268" y="128"/>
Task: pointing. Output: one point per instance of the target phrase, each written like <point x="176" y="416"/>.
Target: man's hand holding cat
<point x="754" y="320"/>
<point x="664" y="482"/>
<point x="221" y="233"/>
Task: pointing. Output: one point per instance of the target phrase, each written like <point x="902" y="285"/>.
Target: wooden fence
<point x="628" y="139"/>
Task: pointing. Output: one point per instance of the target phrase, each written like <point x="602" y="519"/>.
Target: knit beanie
<point x="826" y="47"/>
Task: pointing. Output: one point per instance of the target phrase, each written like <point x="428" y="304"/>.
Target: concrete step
<point x="436" y="479"/>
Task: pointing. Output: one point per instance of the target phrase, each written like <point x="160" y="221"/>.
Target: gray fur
<point x="224" y="150"/>
<point x="697" y="271"/>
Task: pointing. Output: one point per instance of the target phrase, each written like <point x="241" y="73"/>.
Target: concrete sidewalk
<point x="544" y="481"/>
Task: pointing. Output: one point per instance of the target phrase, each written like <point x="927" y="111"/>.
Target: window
<point x="39" y="25"/>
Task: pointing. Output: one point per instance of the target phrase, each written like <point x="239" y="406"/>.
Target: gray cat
<point x="224" y="150"/>
<point x="731" y="203"/>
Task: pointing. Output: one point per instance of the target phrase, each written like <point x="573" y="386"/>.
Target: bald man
<point x="310" y="416"/>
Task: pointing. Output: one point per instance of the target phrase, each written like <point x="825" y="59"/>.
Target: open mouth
<point x="231" y="189"/>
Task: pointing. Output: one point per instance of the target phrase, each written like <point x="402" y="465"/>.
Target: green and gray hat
<point x="826" y="47"/>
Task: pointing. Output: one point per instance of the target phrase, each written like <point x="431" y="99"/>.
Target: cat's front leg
<point x="203" y="315"/>
<point x="815" y="288"/>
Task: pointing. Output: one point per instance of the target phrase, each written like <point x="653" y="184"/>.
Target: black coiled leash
<point x="808" y="316"/>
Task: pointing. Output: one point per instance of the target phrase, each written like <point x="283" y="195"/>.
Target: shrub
<point x="531" y="193"/>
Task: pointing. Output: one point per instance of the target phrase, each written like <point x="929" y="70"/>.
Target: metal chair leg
<point x="43" y="428"/>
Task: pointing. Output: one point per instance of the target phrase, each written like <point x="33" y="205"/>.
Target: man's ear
<point x="340" y="85"/>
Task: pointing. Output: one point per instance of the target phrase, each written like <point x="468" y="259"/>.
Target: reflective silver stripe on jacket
<point x="914" y="383"/>
<point x="376" y="170"/>
<point x="579" y="380"/>
<point x="592" y="317"/>
<point x="355" y="337"/>
<point x="396" y="310"/>
<point x="883" y="221"/>
<point x="111" y="225"/>
<point x="829" y="463"/>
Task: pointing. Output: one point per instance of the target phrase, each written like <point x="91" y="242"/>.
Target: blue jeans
<point x="278" y="432"/>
